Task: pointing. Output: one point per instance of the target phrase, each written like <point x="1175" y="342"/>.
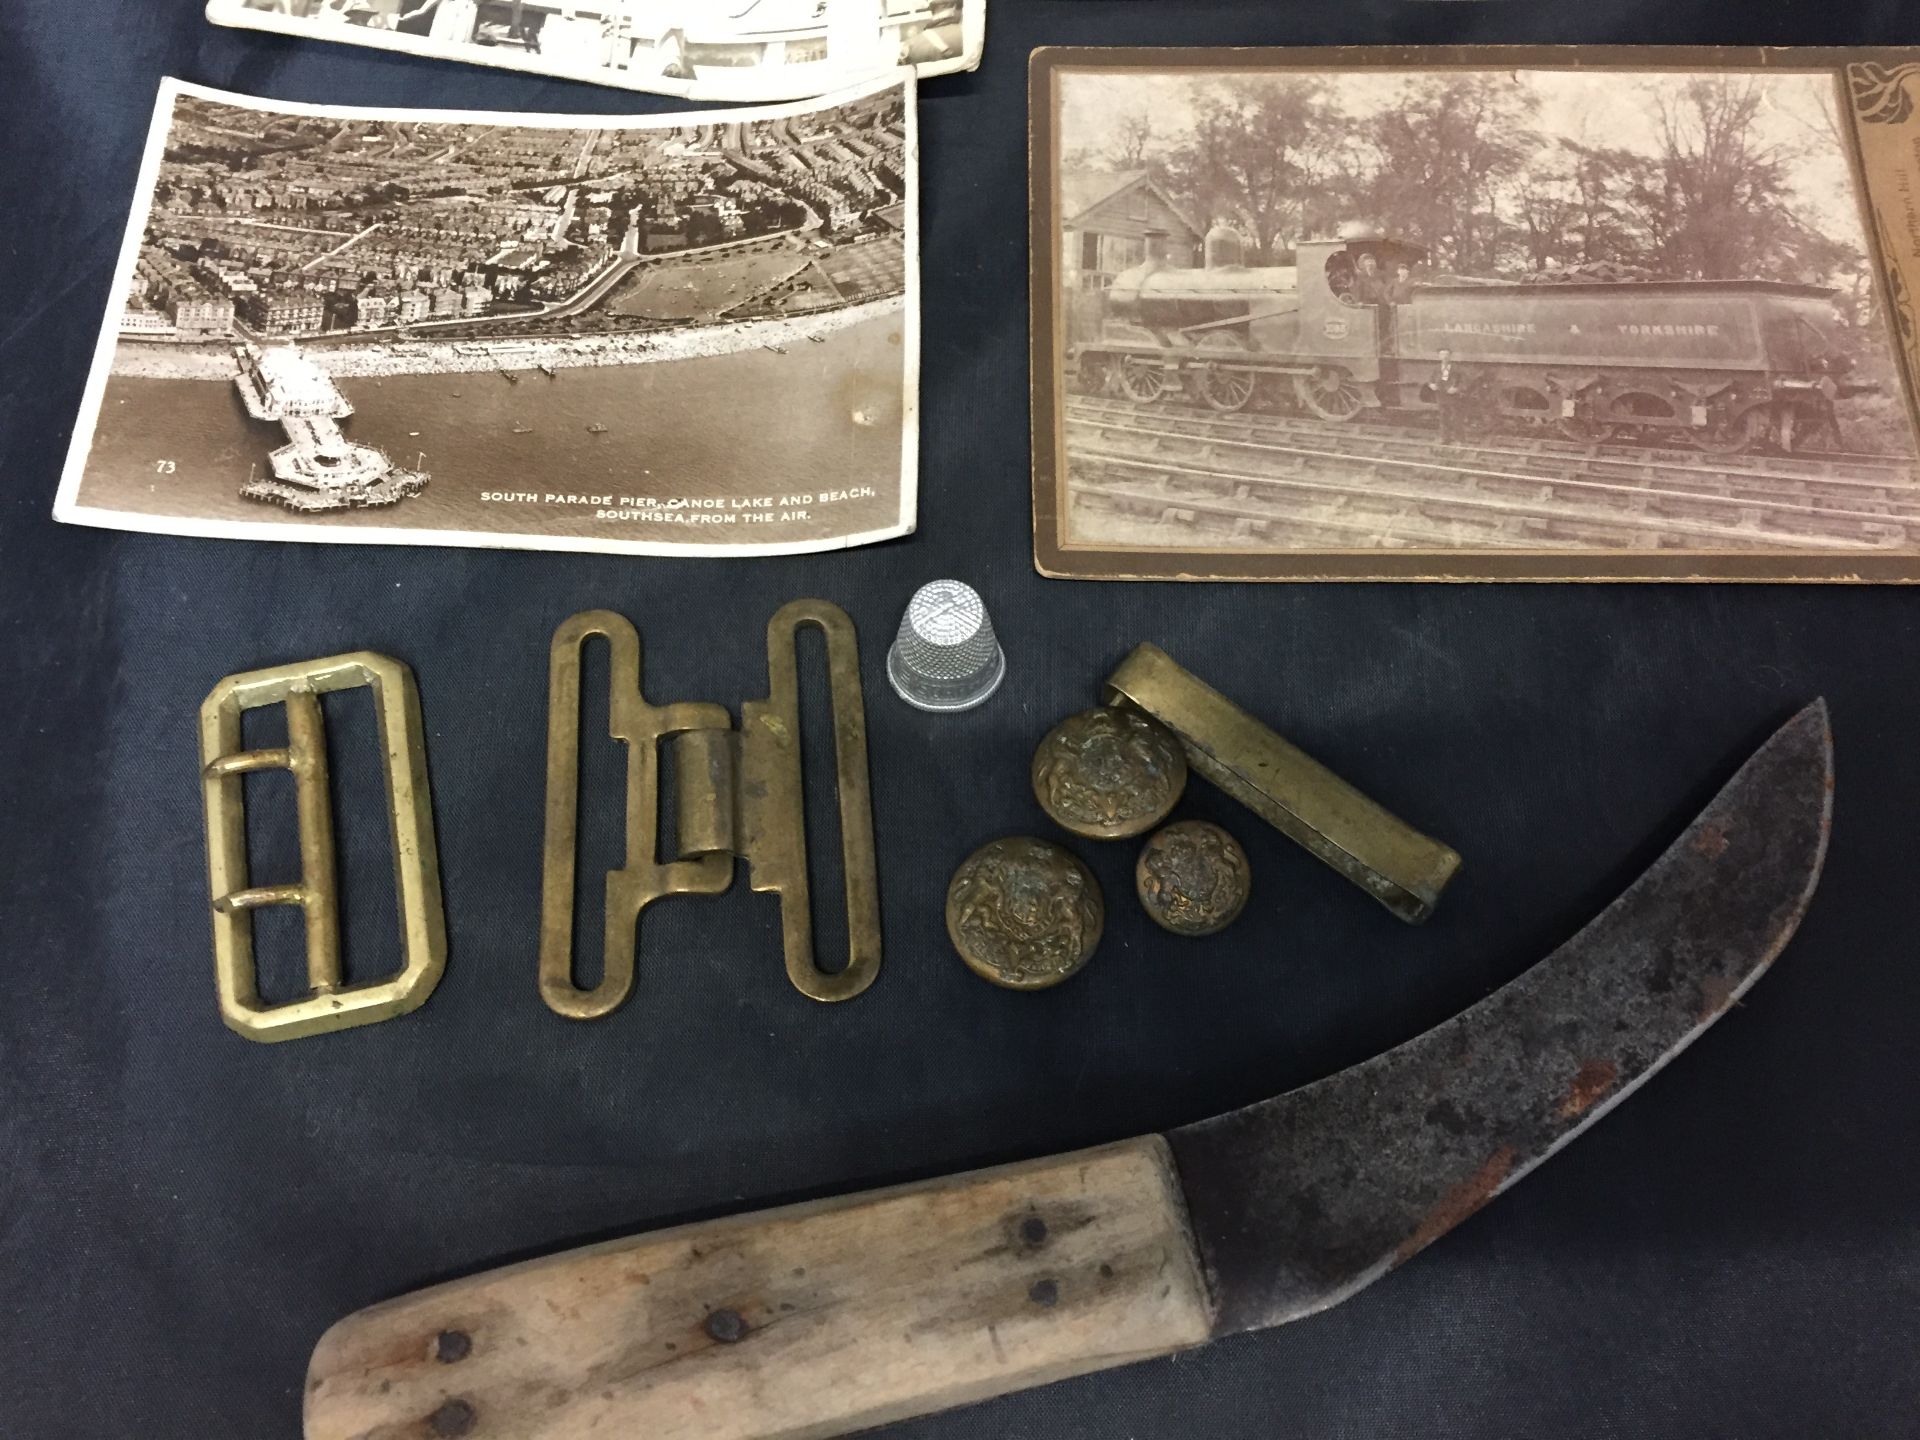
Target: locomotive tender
<point x="1721" y="364"/>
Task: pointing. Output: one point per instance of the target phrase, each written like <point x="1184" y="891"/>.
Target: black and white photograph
<point x="732" y="50"/>
<point x="689" y="333"/>
<point x="1528" y="313"/>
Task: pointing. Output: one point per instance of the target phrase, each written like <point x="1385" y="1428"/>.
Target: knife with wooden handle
<point x="828" y="1318"/>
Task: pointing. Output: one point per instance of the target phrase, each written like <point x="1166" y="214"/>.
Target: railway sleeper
<point x="1640" y="509"/>
<point x="1468" y="516"/>
<point x="1848" y="528"/>
<point x="1784" y="516"/>
<point x="1643" y="514"/>
<point x="1709" y="504"/>
<point x="1394" y="528"/>
<point x="1875" y="499"/>
<point x="1418" y="442"/>
<point x="1705" y="512"/>
<point x="1562" y="530"/>
<point x="1230" y="521"/>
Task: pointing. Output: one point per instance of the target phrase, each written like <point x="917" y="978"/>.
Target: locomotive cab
<point x="1348" y="296"/>
<point x="1348" y="323"/>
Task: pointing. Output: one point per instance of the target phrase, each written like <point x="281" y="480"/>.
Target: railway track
<point x="1808" y="464"/>
<point x="1295" y="483"/>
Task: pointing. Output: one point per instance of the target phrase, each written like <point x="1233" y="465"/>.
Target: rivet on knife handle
<point x="1382" y="854"/>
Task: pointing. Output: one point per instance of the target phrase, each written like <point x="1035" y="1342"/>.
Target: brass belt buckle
<point x="330" y="1004"/>
<point x="739" y="793"/>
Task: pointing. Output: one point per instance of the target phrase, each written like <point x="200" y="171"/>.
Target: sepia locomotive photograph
<point x="1523" y="313"/>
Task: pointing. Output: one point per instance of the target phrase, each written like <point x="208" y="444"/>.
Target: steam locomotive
<point x="1725" y="365"/>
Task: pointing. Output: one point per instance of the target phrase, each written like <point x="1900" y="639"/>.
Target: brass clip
<point x="330" y="1003"/>
<point x="1382" y="854"/>
<point x="739" y="793"/>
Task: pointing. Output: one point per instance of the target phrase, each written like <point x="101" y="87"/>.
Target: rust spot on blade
<point x="1459" y="1202"/>
<point x="1711" y="842"/>
<point x="1595" y="1079"/>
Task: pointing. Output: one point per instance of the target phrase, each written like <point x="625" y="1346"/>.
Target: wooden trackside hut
<point x="1106" y="216"/>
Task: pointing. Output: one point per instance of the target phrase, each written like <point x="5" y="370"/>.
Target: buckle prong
<point x="330" y="1003"/>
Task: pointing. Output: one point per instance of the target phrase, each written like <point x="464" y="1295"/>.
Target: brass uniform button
<point x="1193" y="878"/>
<point x="1109" y="774"/>
<point x="1024" y="913"/>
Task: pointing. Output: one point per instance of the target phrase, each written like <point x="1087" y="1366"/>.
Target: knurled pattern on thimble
<point x="945" y="634"/>
<point x="946" y="656"/>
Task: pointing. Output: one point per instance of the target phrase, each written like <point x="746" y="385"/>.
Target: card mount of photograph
<point x="1645" y="316"/>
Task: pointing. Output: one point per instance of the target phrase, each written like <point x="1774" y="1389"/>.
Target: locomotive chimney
<point x="1156" y="248"/>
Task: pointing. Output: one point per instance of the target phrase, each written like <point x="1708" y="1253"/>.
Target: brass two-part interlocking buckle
<point x="330" y="1003"/>
<point x="739" y="793"/>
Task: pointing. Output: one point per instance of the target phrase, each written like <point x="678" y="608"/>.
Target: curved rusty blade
<point x="1301" y="1201"/>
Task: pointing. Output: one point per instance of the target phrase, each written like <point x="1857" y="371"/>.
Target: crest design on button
<point x="1109" y="774"/>
<point x="1193" y="878"/>
<point x="1024" y="913"/>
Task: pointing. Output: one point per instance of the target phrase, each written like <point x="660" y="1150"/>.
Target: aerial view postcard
<point x="736" y="50"/>
<point x="1476" y="313"/>
<point x="685" y="334"/>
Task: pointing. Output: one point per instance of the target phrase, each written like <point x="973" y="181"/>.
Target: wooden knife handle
<point x="814" y="1320"/>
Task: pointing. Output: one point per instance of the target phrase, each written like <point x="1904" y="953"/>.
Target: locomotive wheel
<point x="1819" y="429"/>
<point x="1786" y="429"/>
<point x="1526" y="407"/>
<point x="1227" y="389"/>
<point x="1140" y="380"/>
<point x="1220" y="389"/>
<point x="1587" y="432"/>
<point x="1330" y="393"/>
<point x="1091" y="375"/>
<point x="1737" y="436"/>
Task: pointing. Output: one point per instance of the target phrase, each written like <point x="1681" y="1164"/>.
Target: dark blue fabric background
<point x="1734" y="1254"/>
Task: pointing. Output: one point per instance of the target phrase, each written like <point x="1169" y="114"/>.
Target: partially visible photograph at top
<point x="743" y="50"/>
